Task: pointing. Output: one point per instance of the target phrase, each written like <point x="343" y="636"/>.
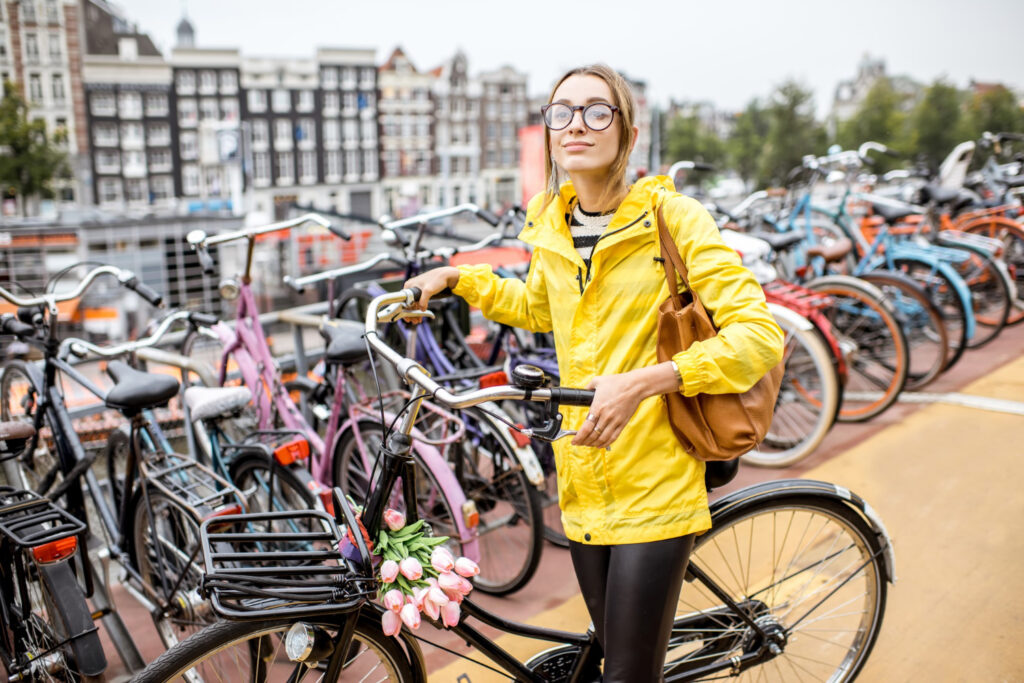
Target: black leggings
<point x="631" y="592"/>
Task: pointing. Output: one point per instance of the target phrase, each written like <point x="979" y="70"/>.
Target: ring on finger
<point x="591" y="418"/>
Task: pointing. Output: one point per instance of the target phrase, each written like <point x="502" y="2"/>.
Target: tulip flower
<point x="450" y="614"/>
<point x="453" y="596"/>
<point x="431" y="608"/>
<point x="437" y="596"/>
<point x="394" y="599"/>
<point x="391" y="622"/>
<point x="466" y="567"/>
<point x="411" y="568"/>
<point x="465" y="586"/>
<point x="449" y="581"/>
<point x="394" y="519"/>
<point x="418" y="595"/>
<point x="442" y="560"/>
<point x="410" y="615"/>
<point x="389" y="571"/>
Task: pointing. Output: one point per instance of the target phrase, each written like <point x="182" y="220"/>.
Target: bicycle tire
<point x="1011" y="234"/>
<point x="351" y="475"/>
<point x="260" y="642"/>
<point x="809" y="394"/>
<point x="19" y="401"/>
<point x="990" y="295"/>
<point x="831" y="560"/>
<point x="511" y="530"/>
<point x="941" y="290"/>
<point x="292" y="490"/>
<point x="180" y="554"/>
<point x="873" y="343"/>
<point x="927" y="337"/>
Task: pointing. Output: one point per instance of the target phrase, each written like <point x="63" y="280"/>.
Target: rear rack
<point x="254" y="572"/>
<point x="28" y="520"/>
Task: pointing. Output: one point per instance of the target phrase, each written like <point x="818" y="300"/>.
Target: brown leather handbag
<point x="709" y="426"/>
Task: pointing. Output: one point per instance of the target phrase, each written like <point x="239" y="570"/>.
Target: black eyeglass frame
<point x="572" y="114"/>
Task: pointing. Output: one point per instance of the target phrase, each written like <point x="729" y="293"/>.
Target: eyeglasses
<point x="596" y="116"/>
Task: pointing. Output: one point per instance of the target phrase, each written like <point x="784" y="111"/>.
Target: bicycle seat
<point x="206" y="403"/>
<point x="831" y="252"/>
<point x="779" y="241"/>
<point x="893" y="214"/>
<point x="345" y="345"/>
<point x="134" y="391"/>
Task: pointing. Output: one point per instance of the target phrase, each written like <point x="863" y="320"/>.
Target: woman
<point x="631" y="498"/>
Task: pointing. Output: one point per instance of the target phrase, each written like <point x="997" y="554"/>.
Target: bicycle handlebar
<point x="124" y="277"/>
<point x="299" y="284"/>
<point x="81" y="347"/>
<point x="199" y="239"/>
<point x="416" y="220"/>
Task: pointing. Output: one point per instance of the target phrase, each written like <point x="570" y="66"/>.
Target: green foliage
<point x="880" y="118"/>
<point x="30" y="158"/>
<point x="688" y="139"/>
<point x="746" y="143"/>
<point x="792" y="133"/>
<point x="937" y="124"/>
<point x="995" y="111"/>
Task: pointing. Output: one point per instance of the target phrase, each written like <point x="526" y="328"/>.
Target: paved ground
<point x="946" y="481"/>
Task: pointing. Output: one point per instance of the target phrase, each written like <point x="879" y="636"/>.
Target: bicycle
<point x="152" y="531"/>
<point x="46" y="627"/>
<point x="783" y="559"/>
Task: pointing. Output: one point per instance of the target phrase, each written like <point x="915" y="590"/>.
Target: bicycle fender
<point x="790" y="316"/>
<point x="963" y="292"/>
<point x="751" y="496"/>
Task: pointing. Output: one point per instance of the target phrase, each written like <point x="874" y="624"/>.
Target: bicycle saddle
<point x="345" y="345"/>
<point x="892" y="213"/>
<point x="831" y="252"/>
<point x="205" y="403"/>
<point x="134" y="391"/>
<point x="780" y="241"/>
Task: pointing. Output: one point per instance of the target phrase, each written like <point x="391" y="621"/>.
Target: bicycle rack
<point x="28" y="520"/>
<point x="191" y="484"/>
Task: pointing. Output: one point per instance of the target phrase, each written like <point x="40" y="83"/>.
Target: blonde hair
<point x="622" y="97"/>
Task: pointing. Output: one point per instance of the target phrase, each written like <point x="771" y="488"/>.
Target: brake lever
<point x="399" y="311"/>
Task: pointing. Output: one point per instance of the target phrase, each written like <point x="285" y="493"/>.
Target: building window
<point x="350" y="130"/>
<point x="257" y="100"/>
<point x="370" y="164"/>
<point x="131" y="135"/>
<point x="158" y="135"/>
<point x="228" y="82"/>
<point x="261" y="168"/>
<point x="209" y="111"/>
<point x="391" y="163"/>
<point x="285" y="168"/>
<point x="307" y="166"/>
<point x="351" y="163"/>
<point x="282" y="101"/>
<point x="260" y="133"/>
<point x="506" y="157"/>
<point x="368" y="80"/>
<point x="159" y="160"/>
<point x="367" y="102"/>
<point x="35" y="88"/>
<point x="207" y="82"/>
<point x="331" y="101"/>
<point x="331" y="138"/>
<point x="328" y="77"/>
<point x="213" y="181"/>
<point x="423" y="126"/>
<point x="136" y="190"/>
<point x="161" y="187"/>
<point x="188" y="113"/>
<point x="188" y="145"/>
<point x="186" y="82"/>
<point x="305" y="102"/>
<point x="56" y="53"/>
<point x="349" y="102"/>
<point x="52" y="16"/>
<point x="129" y="104"/>
<point x="57" y="86"/>
<point x="332" y="164"/>
<point x="229" y="109"/>
<point x="190" y="179"/>
<point x="108" y="161"/>
<point x="31" y="48"/>
<point x="105" y="135"/>
<point x="110" y="190"/>
<point x="156" y="104"/>
<point x="305" y="132"/>
<point x="3" y="48"/>
<point x="283" y="133"/>
<point x="348" y="77"/>
<point x="369" y="133"/>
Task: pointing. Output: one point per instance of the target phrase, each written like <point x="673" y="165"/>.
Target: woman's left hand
<point x="615" y="400"/>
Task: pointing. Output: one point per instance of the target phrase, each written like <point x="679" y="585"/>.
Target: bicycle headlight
<point x="306" y="643"/>
<point x="229" y="289"/>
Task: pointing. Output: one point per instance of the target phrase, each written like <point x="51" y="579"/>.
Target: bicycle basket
<point x="275" y="564"/>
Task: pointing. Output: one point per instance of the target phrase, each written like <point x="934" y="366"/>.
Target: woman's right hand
<point x="432" y="282"/>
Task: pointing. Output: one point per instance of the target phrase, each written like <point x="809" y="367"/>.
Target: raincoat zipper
<point x="591" y="261"/>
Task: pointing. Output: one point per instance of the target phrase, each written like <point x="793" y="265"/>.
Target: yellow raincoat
<point x="646" y="487"/>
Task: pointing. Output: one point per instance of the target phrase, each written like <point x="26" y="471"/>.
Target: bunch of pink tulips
<point x="419" y="576"/>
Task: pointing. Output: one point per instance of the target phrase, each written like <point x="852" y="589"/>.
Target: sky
<point x="715" y="50"/>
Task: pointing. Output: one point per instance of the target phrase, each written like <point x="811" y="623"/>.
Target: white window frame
<point x="257" y="100"/>
<point x="185" y="82"/>
<point x="285" y="167"/>
<point x="281" y="101"/>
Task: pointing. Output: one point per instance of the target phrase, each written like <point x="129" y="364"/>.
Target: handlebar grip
<point x="11" y="325"/>
<point x="339" y="232"/>
<point x="701" y="166"/>
<point x="443" y="294"/>
<point x="205" y="319"/>
<point x="148" y="293"/>
<point x="31" y="315"/>
<point x="486" y="215"/>
<point x="572" y="397"/>
<point x="205" y="260"/>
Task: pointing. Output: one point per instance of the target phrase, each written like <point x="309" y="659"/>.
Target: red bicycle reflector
<point x="522" y="440"/>
<point x="470" y="515"/>
<point x="292" y="451"/>
<point x="493" y="379"/>
<point x="55" y="550"/>
<point x="326" y="496"/>
<point x="232" y="509"/>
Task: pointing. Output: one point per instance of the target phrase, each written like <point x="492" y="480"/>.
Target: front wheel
<point x="806" y="568"/>
<point x="254" y="651"/>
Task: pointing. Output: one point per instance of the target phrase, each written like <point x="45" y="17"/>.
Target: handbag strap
<point x="674" y="264"/>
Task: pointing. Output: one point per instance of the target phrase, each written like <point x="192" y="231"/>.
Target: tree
<point x="688" y="139"/>
<point x="746" y="143"/>
<point x="793" y="132"/>
<point x="879" y="118"/>
<point x="995" y="111"/>
<point x="937" y="124"/>
<point x="30" y="158"/>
